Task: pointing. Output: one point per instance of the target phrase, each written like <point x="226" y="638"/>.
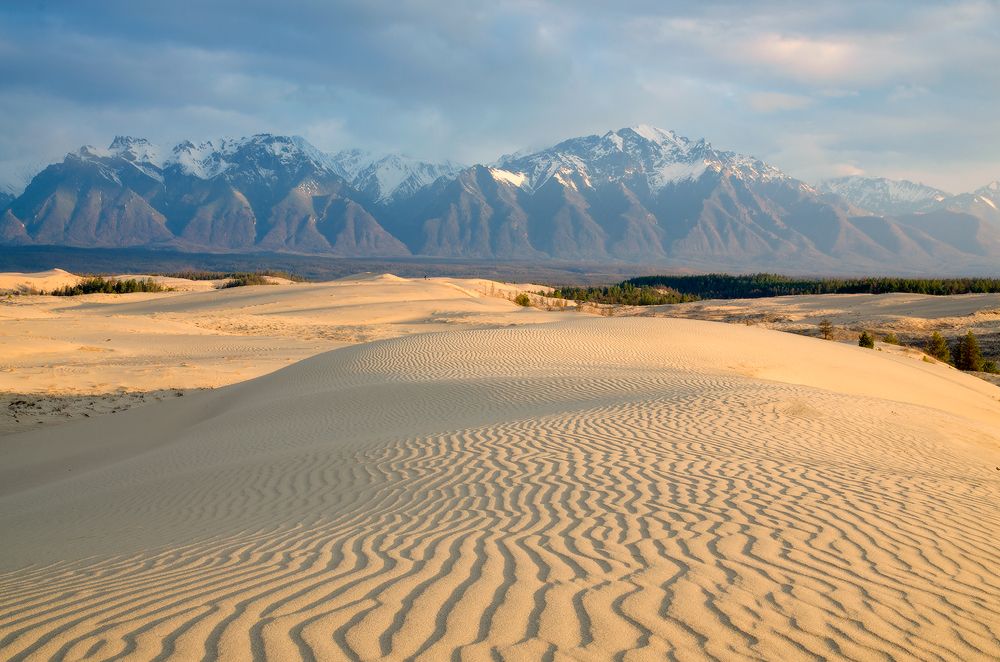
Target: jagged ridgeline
<point x="636" y="195"/>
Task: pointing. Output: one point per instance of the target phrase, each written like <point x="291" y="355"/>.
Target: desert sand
<point x="63" y="358"/>
<point x="516" y="484"/>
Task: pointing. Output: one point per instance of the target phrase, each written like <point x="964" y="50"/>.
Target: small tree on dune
<point x="826" y="329"/>
<point x="891" y="339"/>
<point x="866" y="340"/>
<point x="938" y="348"/>
<point x="967" y="354"/>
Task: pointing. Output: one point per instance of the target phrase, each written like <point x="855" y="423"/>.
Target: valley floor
<point x="522" y="484"/>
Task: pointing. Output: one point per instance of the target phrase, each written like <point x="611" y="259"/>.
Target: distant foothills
<point x="637" y="195"/>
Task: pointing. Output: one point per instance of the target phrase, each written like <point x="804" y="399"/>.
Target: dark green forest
<point x="748" y="286"/>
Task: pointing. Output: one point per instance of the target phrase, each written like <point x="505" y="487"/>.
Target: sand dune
<point x="12" y="281"/>
<point x="200" y="337"/>
<point x="588" y="489"/>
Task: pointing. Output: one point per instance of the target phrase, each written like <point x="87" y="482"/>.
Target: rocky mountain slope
<point x="638" y="194"/>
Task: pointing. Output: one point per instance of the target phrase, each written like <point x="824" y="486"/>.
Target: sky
<point x="898" y="88"/>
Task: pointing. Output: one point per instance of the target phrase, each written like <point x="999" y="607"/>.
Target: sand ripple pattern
<point x="652" y="511"/>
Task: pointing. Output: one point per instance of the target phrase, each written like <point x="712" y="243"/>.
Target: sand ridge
<point x="201" y="337"/>
<point x="586" y="489"/>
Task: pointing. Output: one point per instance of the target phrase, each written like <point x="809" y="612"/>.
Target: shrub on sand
<point x="826" y="329"/>
<point x="242" y="280"/>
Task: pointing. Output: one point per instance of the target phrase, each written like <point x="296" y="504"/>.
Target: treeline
<point x="101" y="285"/>
<point x="965" y="354"/>
<point x="223" y="275"/>
<point x="626" y="293"/>
<point x="749" y="286"/>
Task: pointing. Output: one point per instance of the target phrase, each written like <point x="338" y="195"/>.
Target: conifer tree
<point x="938" y="348"/>
<point x="866" y="340"/>
<point x="967" y="354"/>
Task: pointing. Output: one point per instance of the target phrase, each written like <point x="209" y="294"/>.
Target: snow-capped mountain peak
<point x="260" y="153"/>
<point x="138" y="153"/>
<point x="659" y="156"/>
<point x="662" y="137"/>
<point x="263" y="156"/>
<point x="386" y="177"/>
<point x="138" y="150"/>
<point x="885" y="196"/>
<point x="989" y="195"/>
<point x="992" y="189"/>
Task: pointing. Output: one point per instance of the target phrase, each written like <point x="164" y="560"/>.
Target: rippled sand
<point x="589" y="489"/>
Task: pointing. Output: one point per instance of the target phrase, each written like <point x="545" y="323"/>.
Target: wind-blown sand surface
<point x="587" y="489"/>
<point x="112" y="346"/>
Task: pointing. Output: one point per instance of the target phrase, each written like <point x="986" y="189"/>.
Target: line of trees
<point x="195" y="274"/>
<point x="101" y="285"/>
<point x="725" y="286"/>
<point x="965" y="354"/>
<point x="625" y="293"/>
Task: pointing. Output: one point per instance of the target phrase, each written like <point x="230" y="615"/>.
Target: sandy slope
<point x="589" y="489"/>
<point x="199" y="337"/>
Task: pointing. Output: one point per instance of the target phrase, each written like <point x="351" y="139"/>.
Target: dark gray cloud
<point x="900" y="88"/>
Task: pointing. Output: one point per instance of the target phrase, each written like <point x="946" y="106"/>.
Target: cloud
<point x="887" y="86"/>
<point x="769" y="102"/>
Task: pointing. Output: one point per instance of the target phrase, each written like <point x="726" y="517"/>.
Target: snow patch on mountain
<point x="991" y="190"/>
<point x="885" y="196"/>
<point x="515" y="178"/>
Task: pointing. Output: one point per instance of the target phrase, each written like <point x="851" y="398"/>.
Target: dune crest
<point x="587" y="489"/>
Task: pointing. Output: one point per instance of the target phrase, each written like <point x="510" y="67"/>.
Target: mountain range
<point x="638" y="194"/>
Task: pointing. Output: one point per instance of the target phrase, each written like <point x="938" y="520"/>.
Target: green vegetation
<point x="244" y="279"/>
<point x="967" y="354"/>
<point x="866" y="340"/>
<point x="522" y="299"/>
<point x="220" y="275"/>
<point x="725" y="286"/>
<point x="659" y="290"/>
<point x="891" y="339"/>
<point x="938" y="348"/>
<point x="101" y="285"/>
<point x="826" y="329"/>
<point x="625" y="293"/>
